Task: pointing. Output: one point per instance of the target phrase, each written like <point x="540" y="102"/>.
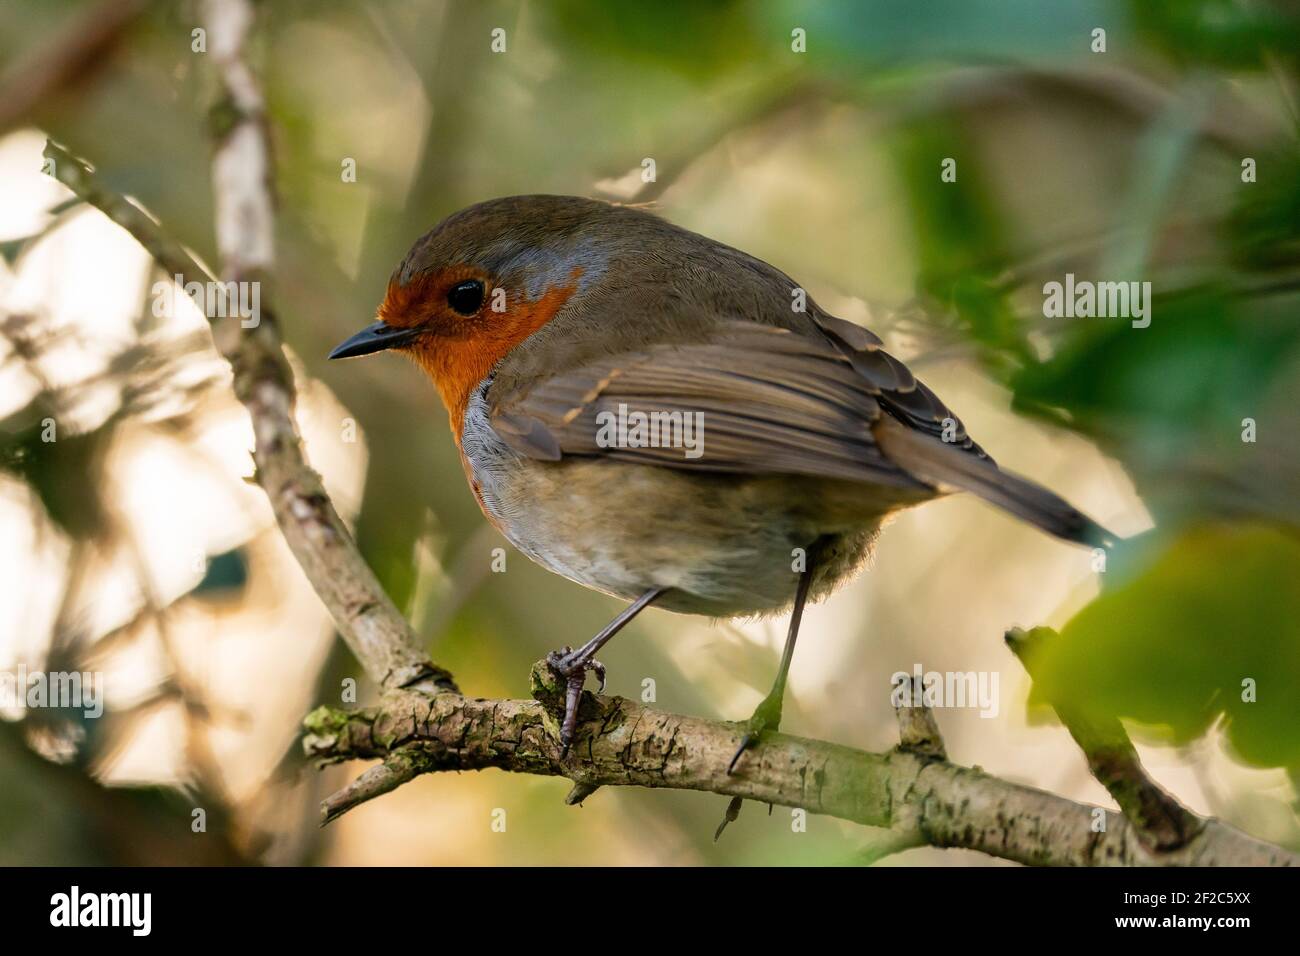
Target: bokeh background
<point x="135" y="546"/>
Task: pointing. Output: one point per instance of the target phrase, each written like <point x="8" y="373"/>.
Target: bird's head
<point x="485" y="279"/>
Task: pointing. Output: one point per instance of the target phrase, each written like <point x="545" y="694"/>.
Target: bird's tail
<point x="950" y="468"/>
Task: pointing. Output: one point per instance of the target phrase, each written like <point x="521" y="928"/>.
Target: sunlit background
<point x="134" y="544"/>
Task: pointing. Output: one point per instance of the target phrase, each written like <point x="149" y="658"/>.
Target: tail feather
<point x="949" y="467"/>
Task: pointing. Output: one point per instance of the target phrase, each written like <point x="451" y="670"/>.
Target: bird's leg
<point x="573" y="665"/>
<point x="767" y="715"/>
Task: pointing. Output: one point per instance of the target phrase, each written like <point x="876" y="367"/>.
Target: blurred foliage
<point x="1219" y="33"/>
<point x="63" y="473"/>
<point x="226" y="574"/>
<point x="1261" y="230"/>
<point x="896" y="33"/>
<point x="1171" y="400"/>
<point x="635" y="33"/>
<point x="1205" y="631"/>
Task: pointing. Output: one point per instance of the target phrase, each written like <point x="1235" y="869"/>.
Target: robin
<point x="668" y="420"/>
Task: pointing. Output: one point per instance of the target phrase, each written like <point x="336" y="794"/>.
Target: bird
<point x="666" y="419"/>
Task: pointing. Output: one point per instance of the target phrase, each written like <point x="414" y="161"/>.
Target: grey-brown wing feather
<point x="770" y="401"/>
<point x="773" y="401"/>
<point x="900" y="392"/>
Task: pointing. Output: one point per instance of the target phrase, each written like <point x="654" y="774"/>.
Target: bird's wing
<point x="756" y="400"/>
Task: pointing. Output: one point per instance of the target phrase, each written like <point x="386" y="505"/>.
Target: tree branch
<point x="918" y="731"/>
<point x="422" y="724"/>
<point x="375" y="782"/>
<point x="368" y="621"/>
<point x="1161" y="822"/>
<point x="621" y="743"/>
<point x="371" y="625"/>
<point x="77" y="52"/>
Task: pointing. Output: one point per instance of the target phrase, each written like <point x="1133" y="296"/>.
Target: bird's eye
<point x="466" y="297"/>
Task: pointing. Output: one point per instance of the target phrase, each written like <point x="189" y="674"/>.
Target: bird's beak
<point x="374" y="338"/>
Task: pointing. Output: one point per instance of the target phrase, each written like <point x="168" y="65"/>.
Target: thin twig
<point x="70" y="60"/>
<point x="1161" y="822"/>
<point x="374" y="630"/>
<point x="918" y="731"/>
<point x="375" y="782"/>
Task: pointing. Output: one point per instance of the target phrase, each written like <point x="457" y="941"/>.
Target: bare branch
<point x="918" y="731"/>
<point x="621" y="743"/>
<point x="371" y="625"/>
<point x="70" y="60"/>
<point x="1161" y="822"/>
<point x="241" y="171"/>
<point x="375" y="782"/>
<point x="241" y="165"/>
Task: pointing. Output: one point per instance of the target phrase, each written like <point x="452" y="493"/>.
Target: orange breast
<point x="459" y="358"/>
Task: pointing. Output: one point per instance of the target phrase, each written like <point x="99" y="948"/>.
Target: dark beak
<point x="374" y="338"/>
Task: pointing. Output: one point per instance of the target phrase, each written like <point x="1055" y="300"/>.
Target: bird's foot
<point x="766" y="716"/>
<point x="572" y="667"/>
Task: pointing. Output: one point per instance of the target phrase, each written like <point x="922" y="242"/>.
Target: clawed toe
<point x="559" y="661"/>
<point x="767" y="716"/>
<point x="566" y="663"/>
<point x="746" y="742"/>
<point x="573" y="669"/>
<point x="573" y="665"/>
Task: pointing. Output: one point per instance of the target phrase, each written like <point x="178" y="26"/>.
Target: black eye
<point x="466" y="297"/>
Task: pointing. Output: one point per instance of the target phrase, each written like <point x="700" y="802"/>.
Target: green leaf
<point x="1222" y="33"/>
<point x="1187" y="640"/>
